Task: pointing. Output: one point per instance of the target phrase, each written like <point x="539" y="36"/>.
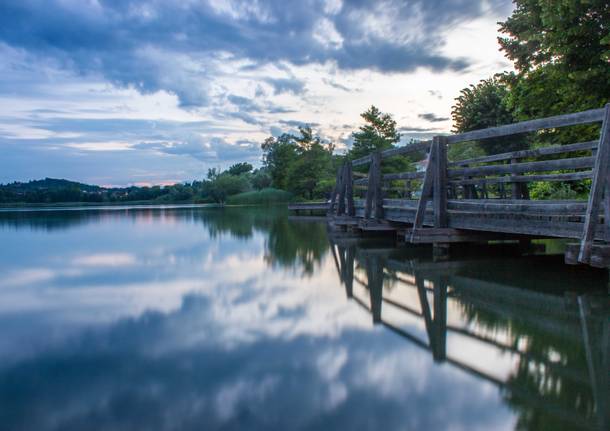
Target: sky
<point x="122" y="92"/>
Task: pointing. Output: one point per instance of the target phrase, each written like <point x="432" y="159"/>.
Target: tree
<point x="378" y="133"/>
<point x="561" y="51"/>
<point x="260" y="179"/>
<point x="225" y="185"/>
<point x="278" y="154"/>
<point x="485" y="105"/>
<point x="239" y="168"/>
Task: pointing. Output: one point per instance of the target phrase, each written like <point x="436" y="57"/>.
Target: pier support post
<point x="598" y="186"/>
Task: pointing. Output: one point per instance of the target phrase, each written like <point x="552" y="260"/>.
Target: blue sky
<point x="118" y="92"/>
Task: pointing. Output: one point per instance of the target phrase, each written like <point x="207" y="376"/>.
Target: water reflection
<point x="556" y="340"/>
<point x="191" y="318"/>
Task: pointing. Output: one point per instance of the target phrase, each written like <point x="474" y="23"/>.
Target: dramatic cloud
<point x="177" y="46"/>
<point x="174" y="84"/>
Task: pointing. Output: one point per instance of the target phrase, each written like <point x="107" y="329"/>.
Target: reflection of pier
<point x="560" y="344"/>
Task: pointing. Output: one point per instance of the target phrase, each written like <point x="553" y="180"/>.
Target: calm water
<point x="192" y="318"/>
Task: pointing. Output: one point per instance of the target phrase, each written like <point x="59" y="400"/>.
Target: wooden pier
<point x="484" y="198"/>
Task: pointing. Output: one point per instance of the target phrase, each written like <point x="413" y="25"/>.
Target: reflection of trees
<point x="296" y="245"/>
<point x="46" y="220"/>
<point x="560" y="344"/>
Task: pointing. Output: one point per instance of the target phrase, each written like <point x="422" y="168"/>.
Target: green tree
<point x="485" y="105"/>
<point x="312" y="166"/>
<point x="378" y="133"/>
<point x="278" y="154"/>
<point x="240" y="168"/>
<point x="561" y="52"/>
<point x="225" y="185"/>
<point x="260" y="179"/>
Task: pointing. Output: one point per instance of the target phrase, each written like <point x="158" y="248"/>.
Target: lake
<point x="185" y="318"/>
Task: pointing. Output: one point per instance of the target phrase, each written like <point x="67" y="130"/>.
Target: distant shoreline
<point x="67" y="205"/>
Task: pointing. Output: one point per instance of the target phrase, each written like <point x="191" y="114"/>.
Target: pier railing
<point x="470" y="195"/>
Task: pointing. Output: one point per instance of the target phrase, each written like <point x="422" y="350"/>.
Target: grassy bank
<point x="260" y="197"/>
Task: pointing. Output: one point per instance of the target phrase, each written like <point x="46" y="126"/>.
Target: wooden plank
<point x="440" y="182"/>
<point x="585" y="117"/>
<point x="537" y="152"/>
<point x="518" y="206"/>
<point x="444" y="235"/>
<point x="407" y="149"/>
<point x="599" y="183"/>
<point x="550" y="226"/>
<point x="404" y="176"/>
<point x="519" y="168"/>
<point x="308" y="206"/>
<point x="426" y="190"/>
<point x="571" y="176"/>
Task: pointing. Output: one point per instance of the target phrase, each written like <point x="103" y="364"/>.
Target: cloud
<point x="338" y="86"/>
<point x="244" y="103"/>
<point x="286" y="85"/>
<point x="296" y="123"/>
<point x="433" y="118"/>
<point x="180" y="47"/>
<point x="206" y="150"/>
<point x="416" y="129"/>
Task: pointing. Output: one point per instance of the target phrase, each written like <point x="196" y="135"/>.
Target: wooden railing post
<point x="378" y="186"/>
<point x="426" y="192"/>
<point x="342" y="190"/>
<point x="598" y="185"/>
<point x="333" y="198"/>
<point x="440" y="181"/>
<point x="349" y="189"/>
<point x="374" y="198"/>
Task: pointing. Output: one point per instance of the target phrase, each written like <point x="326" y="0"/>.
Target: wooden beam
<point x="537" y="152"/>
<point x="399" y="151"/>
<point x="518" y="206"/>
<point x="336" y="189"/>
<point x="342" y="190"/>
<point x="572" y="176"/>
<point x="585" y="117"/>
<point x="378" y="196"/>
<point x="426" y="190"/>
<point x="519" y="168"/>
<point x="440" y="182"/>
<point x="349" y="191"/>
<point x="404" y="176"/>
<point x="368" y="206"/>
<point x="599" y="183"/>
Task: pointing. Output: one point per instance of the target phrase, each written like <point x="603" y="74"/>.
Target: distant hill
<point x="50" y="184"/>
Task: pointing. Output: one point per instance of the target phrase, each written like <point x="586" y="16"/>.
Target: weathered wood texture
<point x="455" y="197"/>
<point x="585" y="117"/>
<point x="407" y="149"/>
<point x="522" y="154"/>
<point x="374" y="198"/>
<point x="599" y="183"/>
<point x="440" y="182"/>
